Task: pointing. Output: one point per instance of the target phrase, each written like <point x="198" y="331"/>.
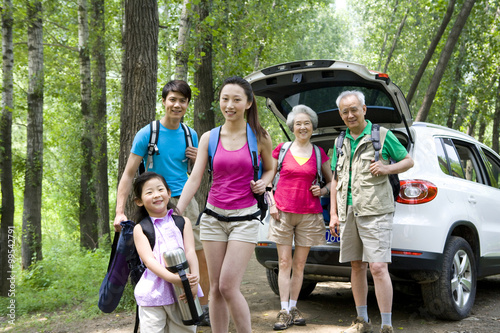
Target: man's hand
<point x="119" y="218"/>
<point x="334" y="225"/>
<point x="378" y="169"/>
<point x="191" y="153"/>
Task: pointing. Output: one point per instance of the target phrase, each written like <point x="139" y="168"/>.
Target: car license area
<point x="330" y="238"/>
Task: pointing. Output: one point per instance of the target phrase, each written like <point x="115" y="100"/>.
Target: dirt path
<point x="330" y="308"/>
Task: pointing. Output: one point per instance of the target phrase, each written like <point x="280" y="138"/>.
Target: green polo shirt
<point x="392" y="149"/>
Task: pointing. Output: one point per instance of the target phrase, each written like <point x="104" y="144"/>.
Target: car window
<point x="441" y="155"/>
<point x="493" y="167"/>
<point x="453" y="164"/>
<point x="468" y="160"/>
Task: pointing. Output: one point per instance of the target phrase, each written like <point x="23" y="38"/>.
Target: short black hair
<point x="179" y="86"/>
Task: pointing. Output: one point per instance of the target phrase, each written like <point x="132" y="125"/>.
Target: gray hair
<point x="297" y="109"/>
<point x="359" y="95"/>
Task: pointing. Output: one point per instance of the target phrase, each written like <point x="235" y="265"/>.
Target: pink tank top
<point x="232" y="173"/>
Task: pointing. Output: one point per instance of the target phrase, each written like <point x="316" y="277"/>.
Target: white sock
<point x="284" y="306"/>
<point x="292" y="304"/>
<point x="386" y="319"/>
<point x="362" y="312"/>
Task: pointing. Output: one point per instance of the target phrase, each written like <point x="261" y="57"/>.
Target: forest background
<point x="80" y="77"/>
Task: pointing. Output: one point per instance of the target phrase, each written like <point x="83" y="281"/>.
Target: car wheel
<point x="272" y="278"/>
<point x="452" y="295"/>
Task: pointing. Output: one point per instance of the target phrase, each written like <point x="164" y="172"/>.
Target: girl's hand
<point x="315" y="190"/>
<point x="275" y="213"/>
<point x="193" y="283"/>
<point x="258" y="187"/>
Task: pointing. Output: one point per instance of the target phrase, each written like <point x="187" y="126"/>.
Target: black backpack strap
<point x="149" y="230"/>
<point x="338" y="146"/>
<point x="136" y="325"/>
<point x="376" y="140"/>
<point x="179" y="222"/>
<point x="189" y="143"/>
<point x="154" y="129"/>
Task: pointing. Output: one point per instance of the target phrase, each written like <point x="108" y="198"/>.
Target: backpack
<point x="377" y="146"/>
<point x="154" y="130"/>
<point x="254" y="152"/>
<point x="125" y="262"/>
<point x="284" y="148"/>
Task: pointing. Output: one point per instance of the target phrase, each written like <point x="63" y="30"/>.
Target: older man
<point x="363" y="205"/>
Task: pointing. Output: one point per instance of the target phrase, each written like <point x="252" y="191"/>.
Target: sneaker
<point x="284" y="321"/>
<point x="297" y="318"/>
<point x="360" y="326"/>
<point x="386" y="329"/>
<point x="206" y="318"/>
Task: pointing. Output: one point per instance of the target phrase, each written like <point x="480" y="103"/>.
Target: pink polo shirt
<point x="292" y="191"/>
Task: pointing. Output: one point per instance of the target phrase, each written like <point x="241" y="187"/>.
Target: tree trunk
<point x="382" y="51"/>
<point x="98" y="48"/>
<point x="482" y="129"/>
<point x="7" y="210"/>
<point x="204" y="118"/>
<point x="395" y="41"/>
<point x="423" y="112"/>
<point x="181" y="55"/>
<point x="139" y="74"/>
<point x="430" y="51"/>
<point x="456" y="87"/>
<point x="31" y="247"/>
<point x="88" y="209"/>
<point x="496" y="118"/>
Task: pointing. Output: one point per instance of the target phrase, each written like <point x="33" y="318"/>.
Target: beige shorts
<point x="192" y="212"/>
<point x="219" y="231"/>
<point x="366" y="238"/>
<point x="299" y="229"/>
<point x="156" y="319"/>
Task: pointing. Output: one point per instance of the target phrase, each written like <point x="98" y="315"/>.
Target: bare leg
<point x="359" y="282"/>
<point x="285" y="267"/>
<point x="383" y="286"/>
<point x="204" y="279"/>
<point x="299" y="262"/>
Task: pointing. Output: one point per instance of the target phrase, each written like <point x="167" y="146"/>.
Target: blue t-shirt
<point x="172" y="162"/>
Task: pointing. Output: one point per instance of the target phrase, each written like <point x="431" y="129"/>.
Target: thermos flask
<point x="191" y="311"/>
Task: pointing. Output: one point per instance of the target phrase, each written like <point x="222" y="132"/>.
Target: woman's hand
<point x="275" y="213"/>
<point x="316" y="190"/>
<point x="258" y="187"/>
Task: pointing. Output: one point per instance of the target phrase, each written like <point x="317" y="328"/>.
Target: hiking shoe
<point x="284" y="321"/>
<point x="297" y="318"/>
<point x="360" y="326"/>
<point x="386" y="329"/>
<point x="206" y="318"/>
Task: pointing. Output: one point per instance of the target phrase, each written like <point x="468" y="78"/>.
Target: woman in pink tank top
<point x="229" y="225"/>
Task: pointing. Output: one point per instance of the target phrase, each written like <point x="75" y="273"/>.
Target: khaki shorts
<point x="192" y="212"/>
<point x="307" y="229"/>
<point x="162" y="319"/>
<point x="219" y="231"/>
<point x="366" y="238"/>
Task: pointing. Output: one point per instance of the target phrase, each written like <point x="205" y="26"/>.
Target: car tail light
<point x="416" y="191"/>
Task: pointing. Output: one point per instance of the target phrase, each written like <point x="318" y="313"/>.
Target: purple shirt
<point x="152" y="290"/>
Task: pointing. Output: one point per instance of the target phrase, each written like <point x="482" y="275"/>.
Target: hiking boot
<point x="297" y="318"/>
<point x="206" y="318"/>
<point x="386" y="329"/>
<point x="360" y="326"/>
<point x="284" y="321"/>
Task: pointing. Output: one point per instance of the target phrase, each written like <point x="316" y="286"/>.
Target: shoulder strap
<point x="179" y="222"/>
<point x="283" y="150"/>
<point x="339" y="152"/>
<point x="213" y="142"/>
<point x="189" y="143"/>
<point x="154" y="129"/>
<point x="319" y="173"/>
<point x="254" y="152"/>
<point x="376" y="140"/>
<point x="149" y="230"/>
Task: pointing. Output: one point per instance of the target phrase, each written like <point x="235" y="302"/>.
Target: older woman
<point x="296" y="212"/>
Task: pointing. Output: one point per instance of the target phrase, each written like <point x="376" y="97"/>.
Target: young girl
<point x="154" y="293"/>
<point x="229" y="244"/>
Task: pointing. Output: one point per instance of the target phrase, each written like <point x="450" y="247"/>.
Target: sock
<point x="284" y="306"/>
<point x="362" y="312"/>
<point x="386" y="319"/>
<point x="292" y="304"/>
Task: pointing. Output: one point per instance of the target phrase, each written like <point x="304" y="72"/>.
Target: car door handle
<point x="472" y="200"/>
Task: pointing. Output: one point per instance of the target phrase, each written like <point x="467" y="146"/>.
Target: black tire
<point x="272" y="278"/>
<point x="452" y="295"/>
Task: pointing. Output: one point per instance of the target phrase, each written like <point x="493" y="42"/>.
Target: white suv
<point x="446" y="231"/>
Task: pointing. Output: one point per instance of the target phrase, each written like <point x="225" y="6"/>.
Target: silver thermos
<point x="191" y="311"/>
